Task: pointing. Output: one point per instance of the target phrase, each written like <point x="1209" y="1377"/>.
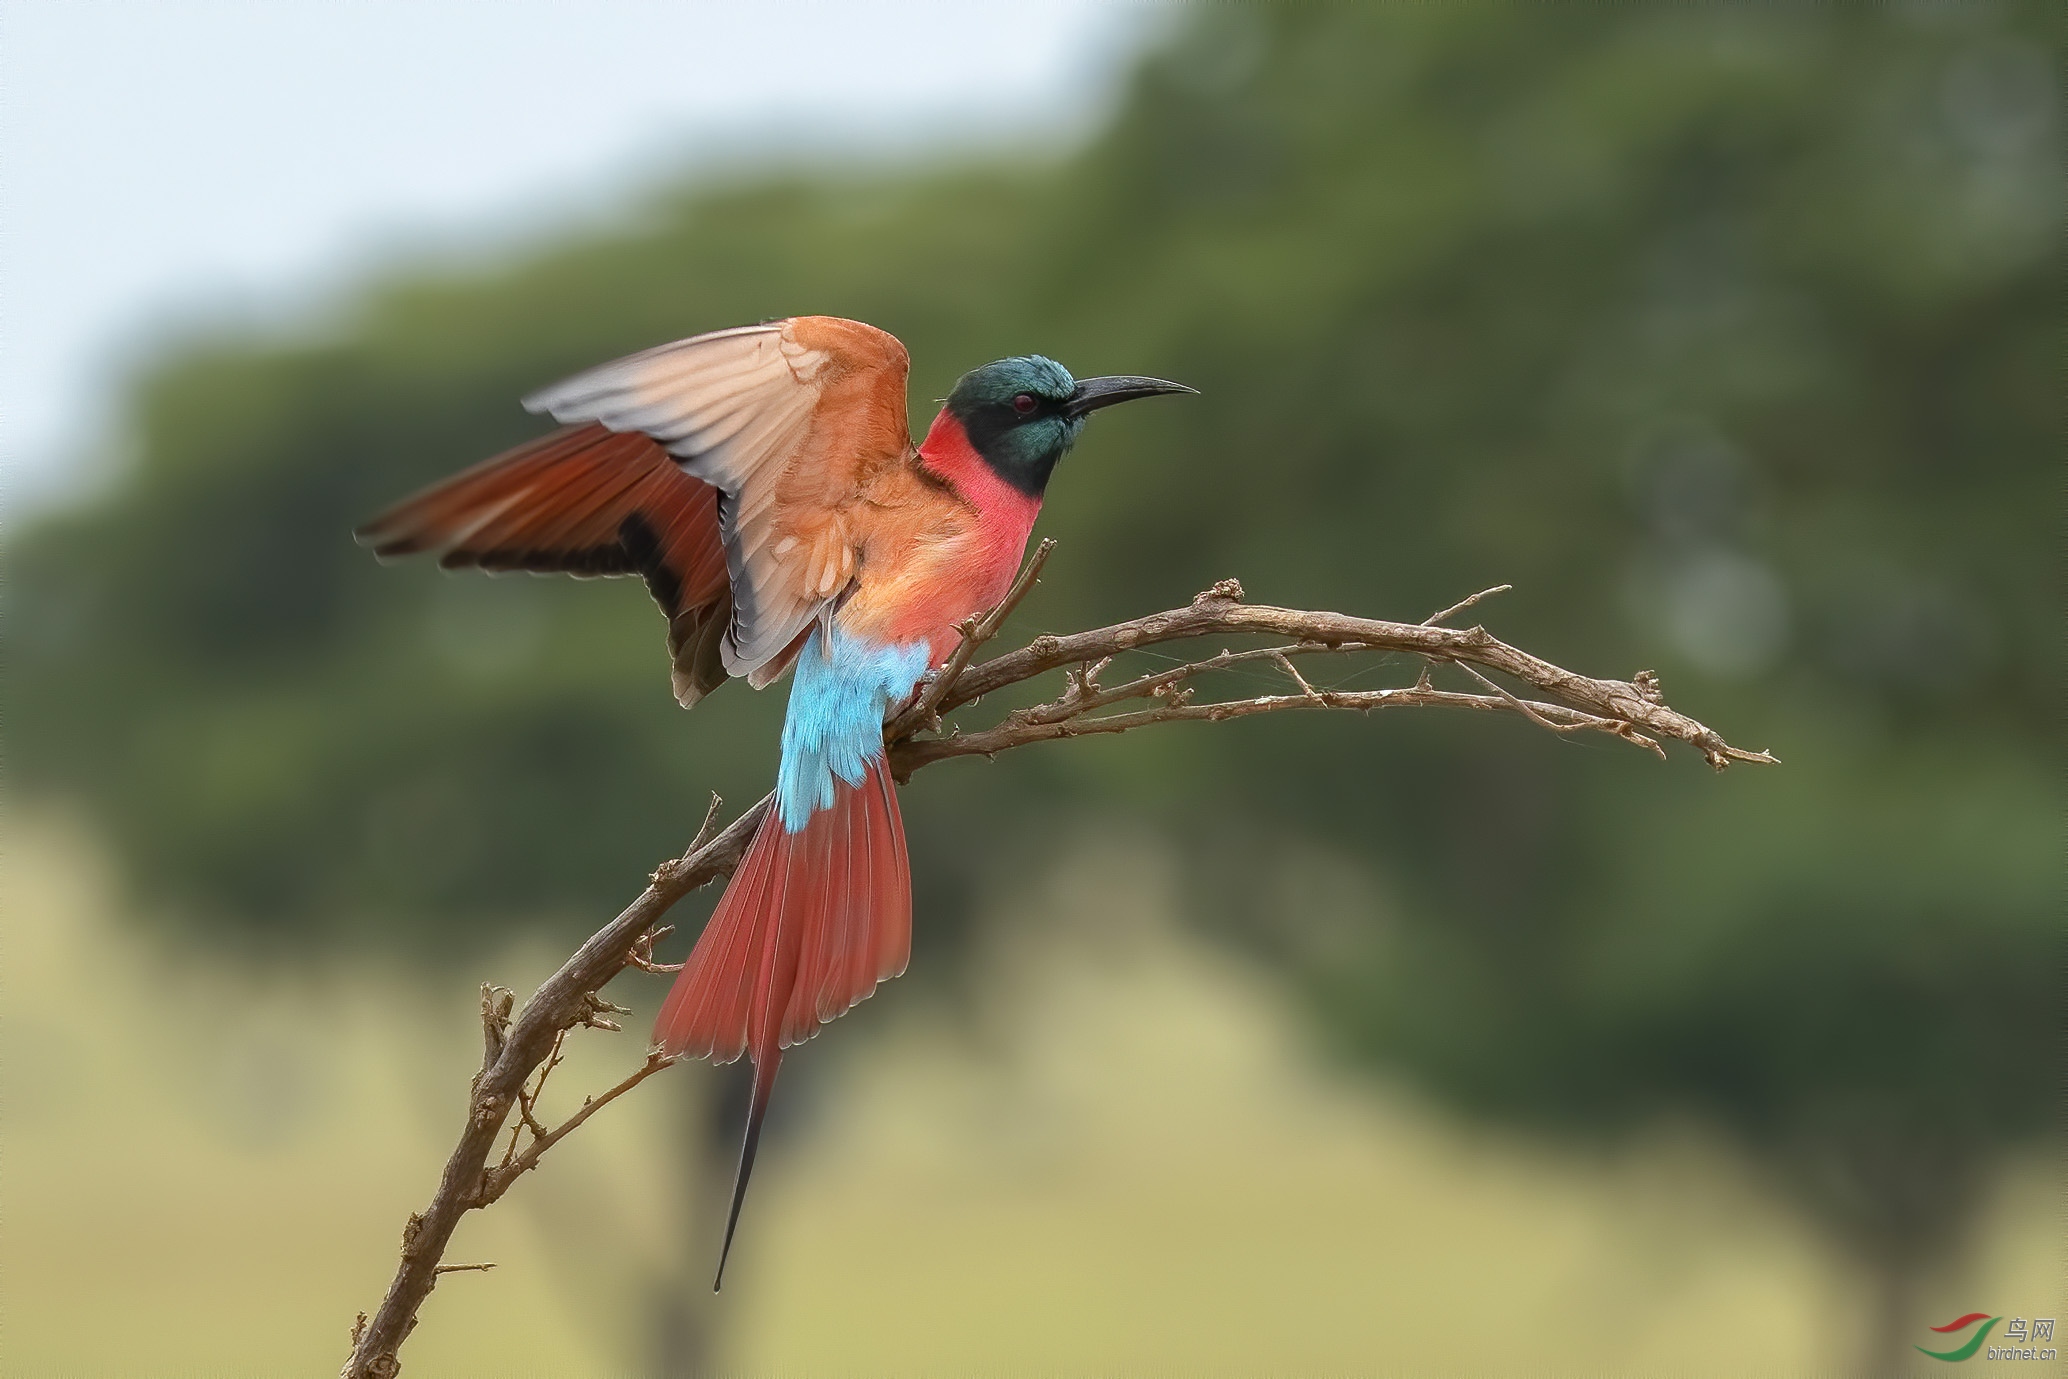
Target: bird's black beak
<point x="1094" y="393"/>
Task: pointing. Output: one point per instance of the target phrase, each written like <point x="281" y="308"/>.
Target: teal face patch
<point x="1013" y="412"/>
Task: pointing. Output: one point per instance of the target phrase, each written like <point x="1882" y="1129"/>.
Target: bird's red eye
<point x="1024" y="403"/>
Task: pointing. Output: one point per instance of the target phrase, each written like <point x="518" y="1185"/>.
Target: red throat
<point x="948" y="453"/>
<point x="1005" y="520"/>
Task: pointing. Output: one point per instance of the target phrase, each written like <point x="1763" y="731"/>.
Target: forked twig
<point x="495" y="1184"/>
<point x="642" y="957"/>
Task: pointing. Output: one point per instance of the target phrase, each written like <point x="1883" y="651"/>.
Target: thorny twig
<point x="703" y="833"/>
<point x="514" y="1049"/>
<point x="1534" y="713"/>
<point x="642" y="957"/>
<point x="496" y="1003"/>
<point x="1462" y="604"/>
<point x="1634" y="709"/>
<point x="528" y="1098"/>
<point x="496" y="1183"/>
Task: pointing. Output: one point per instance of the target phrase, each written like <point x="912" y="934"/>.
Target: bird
<point x="762" y="480"/>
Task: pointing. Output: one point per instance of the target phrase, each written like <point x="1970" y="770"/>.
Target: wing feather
<point x="787" y="420"/>
<point x="724" y="469"/>
<point x="585" y="501"/>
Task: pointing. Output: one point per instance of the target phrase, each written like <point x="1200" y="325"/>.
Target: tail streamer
<point x="812" y="921"/>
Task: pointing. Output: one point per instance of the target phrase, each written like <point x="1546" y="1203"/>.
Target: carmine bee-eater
<point x="764" y="482"/>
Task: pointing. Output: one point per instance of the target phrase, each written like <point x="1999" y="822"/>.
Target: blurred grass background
<point x="1728" y="335"/>
<point x="220" y="1159"/>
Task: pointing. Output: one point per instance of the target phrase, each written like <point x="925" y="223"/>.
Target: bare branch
<point x="910" y="756"/>
<point x="1294" y="671"/>
<point x="1219" y="612"/>
<point x="496" y="1002"/>
<point x="703" y="834"/>
<point x="514" y="1050"/>
<point x="561" y="1003"/>
<point x="641" y="955"/>
<point x="1462" y="604"/>
<point x="498" y="1182"/>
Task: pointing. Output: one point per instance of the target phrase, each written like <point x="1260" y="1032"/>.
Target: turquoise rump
<point x="845" y="687"/>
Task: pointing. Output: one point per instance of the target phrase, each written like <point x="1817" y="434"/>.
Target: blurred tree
<point x="1727" y="334"/>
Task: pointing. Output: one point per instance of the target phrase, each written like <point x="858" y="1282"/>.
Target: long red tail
<point x="812" y="921"/>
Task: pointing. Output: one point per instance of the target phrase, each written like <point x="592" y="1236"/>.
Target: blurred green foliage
<point x="1728" y="335"/>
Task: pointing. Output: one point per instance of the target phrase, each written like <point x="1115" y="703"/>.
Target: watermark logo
<point x="2020" y="1338"/>
<point x="1974" y="1342"/>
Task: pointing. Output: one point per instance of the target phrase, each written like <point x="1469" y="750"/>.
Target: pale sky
<point x="160" y="161"/>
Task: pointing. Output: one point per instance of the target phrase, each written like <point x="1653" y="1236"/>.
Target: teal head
<point x="1023" y="414"/>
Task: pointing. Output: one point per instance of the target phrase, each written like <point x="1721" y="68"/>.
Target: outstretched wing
<point x="788" y="421"/>
<point x="584" y="501"/>
<point x="725" y="469"/>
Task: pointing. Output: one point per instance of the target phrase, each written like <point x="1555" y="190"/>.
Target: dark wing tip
<point x="385" y="542"/>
